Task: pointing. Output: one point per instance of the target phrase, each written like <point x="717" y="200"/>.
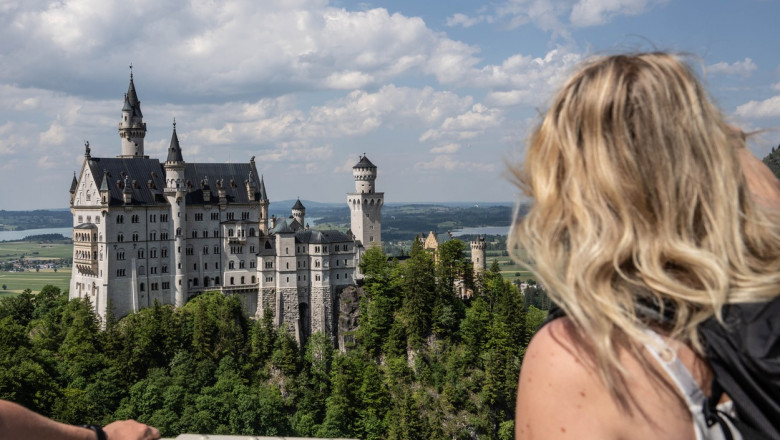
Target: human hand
<point x="130" y="430"/>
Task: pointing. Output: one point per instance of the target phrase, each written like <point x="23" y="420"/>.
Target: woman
<point x="642" y="227"/>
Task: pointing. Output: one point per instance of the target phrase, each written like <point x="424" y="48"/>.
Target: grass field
<point x="12" y="250"/>
<point x="16" y="282"/>
<point x="509" y="269"/>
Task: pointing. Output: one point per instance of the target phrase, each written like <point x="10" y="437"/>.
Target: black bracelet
<point x="98" y="430"/>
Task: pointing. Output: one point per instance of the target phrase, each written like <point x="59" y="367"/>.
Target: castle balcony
<point x="236" y="240"/>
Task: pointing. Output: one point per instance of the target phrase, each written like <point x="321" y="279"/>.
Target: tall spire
<point x="174" y="151"/>
<point x="263" y="194"/>
<point x="132" y="129"/>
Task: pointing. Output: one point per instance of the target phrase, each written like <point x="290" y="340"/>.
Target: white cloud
<point x="55" y="135"/>
<point x="464" y="20"/>
<point x="768" y="108"/>
<point x="743" y="68"/>
<point x="599" y="12"/>
<point x="445" y="149"/>
<point x="549" y="15"/>
<point x="776" y="86"/>
<point x="466" y="125"/>
<point x="448" y="163"/>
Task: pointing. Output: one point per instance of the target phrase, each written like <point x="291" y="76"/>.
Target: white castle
<point x="147" y="231"/>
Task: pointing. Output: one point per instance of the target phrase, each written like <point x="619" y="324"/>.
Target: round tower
<point x="132" y="128"/>
<point x="365" y="204"/>
<point x="478" y="247"/>
<point x="175" y="193"/>
<point x="299" y="212"/>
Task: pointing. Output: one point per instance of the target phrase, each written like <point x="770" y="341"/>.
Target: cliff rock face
<point x="349" y="312"/>
<point x="772" y="160"/>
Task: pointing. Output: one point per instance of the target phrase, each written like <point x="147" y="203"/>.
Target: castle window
<point x="194" y="281"/>
<point x="178" y="232"/>
<point x="152" y="236"/>
<point x="231" y="264"/>
<point x="216" y="281"/>
<point x="134" y="219"/>
<point x="81" y="219"/>
<point x="153" y="253"/>
<point x="164" y="252"/>
<point x="163" y="235"/>
<point x="153" y="270"/>
<point x="198" y="216"/>
<point x="288" y="265"/>
<point x="216" y="234"/>
<point x="190" y="251"/>
<point x="230" y="216"/>
<point x="215" y="216"/>
<point x="205" y="234"/>
<point x="251" y="249"/>
<point x="205" y="266"/>
<point x="251" y="264"/>
<point x="164" y="218"/>
<point x="251" y="232"/>
<point x="242" y="280"/>
<point x="97" y="220"/>
<point x="216" y="265"/>
<point x="164" y="269"/>
<point x="216" y="250"/>
<point x="135" y="236"/>
<point x="232" y="281"/>
<point x="317" y="278"/>
<point x="205" y="250"/>
<point x="142" y="287"/>
<point x="120" y="238"/>
<point x="230" y="232"/>
<point x="286" y="251"/>
<point x="120" y="219"/>
<point x="195" y="266"/>
<point x="253" y="279"/>
<point x="140" y="254"/>
<point x="241" y="264"/>
<point x="120" y="255"/>
<point x="316" y="263"/>
<point x="166" y="285"/>
<point x="337" y="276"/>
<point x="194" y="234"/>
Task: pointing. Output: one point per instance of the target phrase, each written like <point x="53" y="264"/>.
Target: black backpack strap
<point x="715" y="416"/>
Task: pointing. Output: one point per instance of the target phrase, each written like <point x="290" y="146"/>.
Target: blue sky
<point x="439" y="94"/>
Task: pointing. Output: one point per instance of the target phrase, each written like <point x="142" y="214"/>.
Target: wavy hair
<point x="638" y="195"/>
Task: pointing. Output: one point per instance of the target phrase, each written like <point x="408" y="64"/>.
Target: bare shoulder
<point x="559" y="394"/>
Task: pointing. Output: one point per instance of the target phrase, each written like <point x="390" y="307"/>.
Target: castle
<point x="146" y="231"/>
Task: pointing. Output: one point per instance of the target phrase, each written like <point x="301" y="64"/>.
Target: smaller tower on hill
<point x="478" y="247"/>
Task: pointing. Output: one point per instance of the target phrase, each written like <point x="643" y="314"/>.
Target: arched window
<point x="251" y="232"/>
<point x="231" y="281"/>
<point x="230" y="232"/>
<point x="142" y="287"/>
<point x="242" y="280"/>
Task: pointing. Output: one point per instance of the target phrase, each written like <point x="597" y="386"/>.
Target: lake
<point x="18" y="235"/>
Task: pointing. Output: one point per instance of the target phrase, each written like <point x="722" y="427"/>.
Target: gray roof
<point x="74" y="184"/>
<point x="299" y="205"/>
<point x="263" y="194"/>
<point x="320" y="237"/>
<point x="286" y="226"/>
<point x="174" y="150"/>
<point x="85" y="226"/>
<point x="364" y="163"/>
<point x="131" y="99"/>
<point x="149" y="178"/>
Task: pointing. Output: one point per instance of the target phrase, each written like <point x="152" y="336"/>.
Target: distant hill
<point x="772" y="160"/>
<point x="23" y="220"/>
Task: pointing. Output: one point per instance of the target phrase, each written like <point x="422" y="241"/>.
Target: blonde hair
<point x="638" y="195"/>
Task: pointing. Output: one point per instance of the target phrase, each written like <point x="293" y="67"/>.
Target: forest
<point x="423" y="364"/>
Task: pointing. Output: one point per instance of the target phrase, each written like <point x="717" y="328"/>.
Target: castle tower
<point x="132" y="128"/>
<point x="478" y="247"/>
<point x="299" y="212"/>
<point x="365" y="204"/>
<point x="175" y="192"/>
<point x="263" y="207"/>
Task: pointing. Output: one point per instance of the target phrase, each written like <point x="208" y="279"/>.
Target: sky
<point x="439" y="94"/>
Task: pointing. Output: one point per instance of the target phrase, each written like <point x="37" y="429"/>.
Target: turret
<point x="365" y="204"/>
<point x="175" y="193"/>
<point x="299" y="212"/>
<point x="263" y="207"/>
<point x="105" y="195"/>
<point x="132" y="128"/>
<point x="478" y="247"/>
<point x="73" y="185"/>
